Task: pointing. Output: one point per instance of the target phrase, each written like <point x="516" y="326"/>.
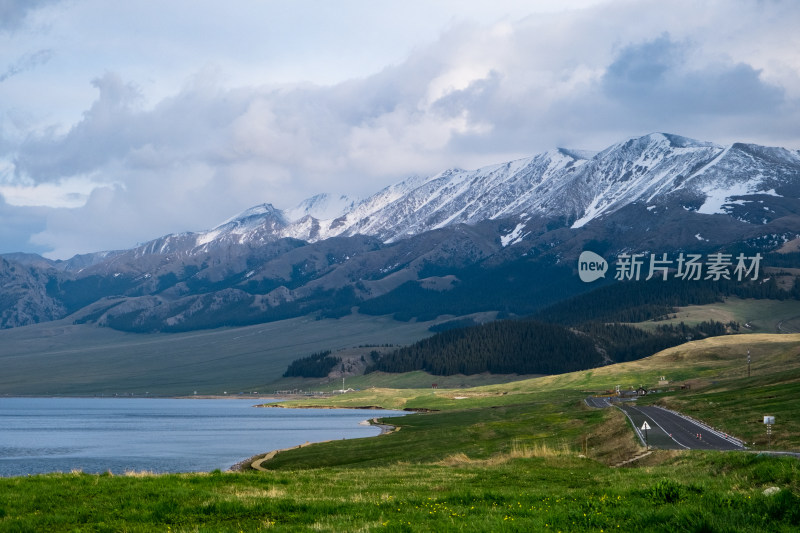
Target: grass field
<point x="754" y="316"/>
<point x="526" y="492"/>
<point x="408" y="380"/>
<point x="523" y="456"/>
<point x="65" y="359"/>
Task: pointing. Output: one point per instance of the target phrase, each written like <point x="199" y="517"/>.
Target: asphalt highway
<point x="670" y="430"/>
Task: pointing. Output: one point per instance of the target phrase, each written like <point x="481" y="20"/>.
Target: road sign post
<point x="768" y="421"/>
<point x="645" y="427"/>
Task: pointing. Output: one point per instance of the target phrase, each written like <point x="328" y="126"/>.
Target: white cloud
<point x="70" y="193"/>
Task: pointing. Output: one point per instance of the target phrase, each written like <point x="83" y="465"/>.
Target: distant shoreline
<point x="157" y="397"/>
<point x="257" y="397"/>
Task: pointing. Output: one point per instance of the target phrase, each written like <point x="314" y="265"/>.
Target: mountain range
<point x="502" y="238"/>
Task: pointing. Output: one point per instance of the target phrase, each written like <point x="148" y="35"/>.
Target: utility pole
<point x="748" y="363"/>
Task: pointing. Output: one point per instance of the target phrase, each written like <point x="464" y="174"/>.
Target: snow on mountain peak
<point x="256" y="221"/>
<point x="321" y="206"/>
<point x="577" y="154"/>
<point x="255" y="212"/>
<point x="642" y="168"/>
<point x="655" y="169"/>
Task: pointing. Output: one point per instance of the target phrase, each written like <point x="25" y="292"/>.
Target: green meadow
<point x="753" y="316"/>
<point x="522" y="456"/>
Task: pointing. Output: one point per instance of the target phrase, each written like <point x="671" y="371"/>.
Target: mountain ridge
<point x="576" y="184"/>
<point x="451" y="235"/>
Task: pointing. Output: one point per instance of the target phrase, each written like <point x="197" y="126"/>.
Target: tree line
<point x="316" y="365"/>
<point x="534" y="347"/>
<point x="502" y="347"/>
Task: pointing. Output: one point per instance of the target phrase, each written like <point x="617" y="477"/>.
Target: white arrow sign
<point x="645" y="425"/>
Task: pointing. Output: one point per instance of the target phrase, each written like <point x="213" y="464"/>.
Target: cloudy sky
<point x="124" y="121"/>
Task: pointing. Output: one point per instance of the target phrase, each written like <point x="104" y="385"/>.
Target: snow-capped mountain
<point x="575" y="185"/>
<point x="454" y="197"/>
<point x="657" y="192"/>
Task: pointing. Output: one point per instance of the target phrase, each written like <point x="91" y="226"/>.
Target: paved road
<point x="670" y="430"/>
<point x="598" y="402"/>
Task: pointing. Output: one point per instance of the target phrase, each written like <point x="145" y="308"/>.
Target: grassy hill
<point x="754" y="316"/>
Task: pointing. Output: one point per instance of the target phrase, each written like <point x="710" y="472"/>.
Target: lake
<point x="39" y="435"/>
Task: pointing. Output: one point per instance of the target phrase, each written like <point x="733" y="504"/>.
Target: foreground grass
<point x="689" y="492"/>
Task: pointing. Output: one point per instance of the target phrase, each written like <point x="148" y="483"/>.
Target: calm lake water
<point x="39" y="435"/>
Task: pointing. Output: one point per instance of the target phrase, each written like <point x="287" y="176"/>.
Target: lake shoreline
<point x="256" y="461"/>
